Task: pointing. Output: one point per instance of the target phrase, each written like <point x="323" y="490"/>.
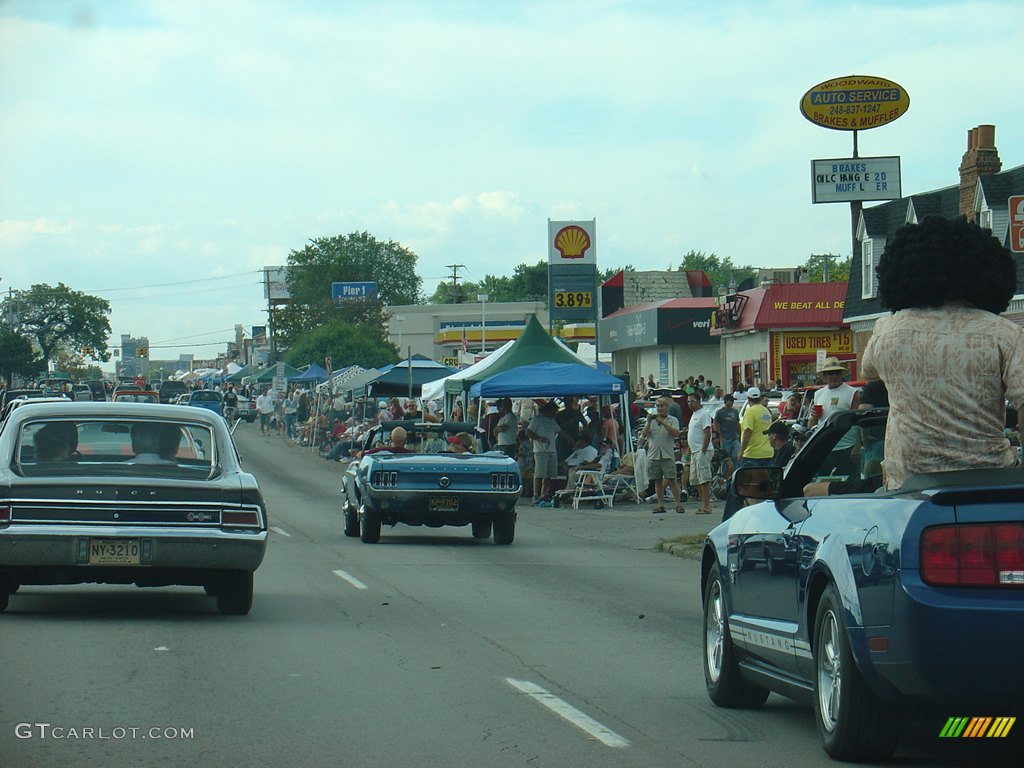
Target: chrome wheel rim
<point x="714" y="633"/>
<point x="830" y="671"/>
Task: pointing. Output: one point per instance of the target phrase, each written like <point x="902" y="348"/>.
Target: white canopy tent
<point x="434" y="390"/>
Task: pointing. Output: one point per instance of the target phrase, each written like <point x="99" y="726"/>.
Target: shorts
<point x="264" y="419"/>
<point x="700" y="468"/>
<point x="545" y="465"/>
<point x="659" y="469"/>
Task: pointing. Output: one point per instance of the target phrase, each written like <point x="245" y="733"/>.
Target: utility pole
<point x="826" y="263"/>
<point x="456" y="295"/>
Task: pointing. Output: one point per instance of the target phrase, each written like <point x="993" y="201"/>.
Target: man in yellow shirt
<point x="754" y="430"/>
<point x="755" y="450"/>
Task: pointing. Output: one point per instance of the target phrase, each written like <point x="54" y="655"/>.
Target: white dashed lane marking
<point x="350" y="579"/>
<point x="282" y="531"/>
<point x="568" y="712"/>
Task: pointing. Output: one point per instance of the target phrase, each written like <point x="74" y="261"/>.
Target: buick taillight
<point x="973" y="555"/>
<point x="240" y="517"/>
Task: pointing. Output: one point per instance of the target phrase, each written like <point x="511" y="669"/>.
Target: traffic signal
<point x="142" y="351"/>
<point x="86" y="350"/>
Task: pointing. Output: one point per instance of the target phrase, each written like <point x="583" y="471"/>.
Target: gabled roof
<point x="941" y="202"/>
<point x="998" y="187"/>
<point x="882" y="220"/>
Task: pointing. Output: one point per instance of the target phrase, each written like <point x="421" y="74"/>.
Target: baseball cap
<point x="753" y="393"/>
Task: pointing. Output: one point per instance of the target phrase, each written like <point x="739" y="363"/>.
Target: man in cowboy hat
<point x="836" y="395"/>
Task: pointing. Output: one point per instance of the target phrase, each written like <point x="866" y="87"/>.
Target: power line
<point x="180" y="282"/>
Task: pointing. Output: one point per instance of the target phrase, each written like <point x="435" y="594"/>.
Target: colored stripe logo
<point x="977" y="727"/>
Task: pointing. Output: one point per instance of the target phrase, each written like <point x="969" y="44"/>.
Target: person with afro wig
<point x="946" y="281"/>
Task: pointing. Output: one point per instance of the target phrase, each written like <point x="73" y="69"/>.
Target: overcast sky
<point x="159" y="153"/>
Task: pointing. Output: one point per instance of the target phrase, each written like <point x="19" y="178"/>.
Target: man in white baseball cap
<point x="836" y="395"/>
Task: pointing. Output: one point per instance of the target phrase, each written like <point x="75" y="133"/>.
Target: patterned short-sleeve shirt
<point x="949" y="371"/>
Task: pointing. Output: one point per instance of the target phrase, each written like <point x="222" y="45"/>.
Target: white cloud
<point x="171" y="139"/>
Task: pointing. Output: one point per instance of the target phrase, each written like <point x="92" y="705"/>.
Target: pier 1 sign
<point x="854" y="103"/>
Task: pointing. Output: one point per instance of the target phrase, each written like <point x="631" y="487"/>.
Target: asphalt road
<point x="579" y="645"/>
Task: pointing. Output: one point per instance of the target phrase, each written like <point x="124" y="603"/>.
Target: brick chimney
<point x="980" y="159"/>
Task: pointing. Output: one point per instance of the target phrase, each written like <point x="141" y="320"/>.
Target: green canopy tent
<point x="534" y="345"/>
<point x="237" y="376"/>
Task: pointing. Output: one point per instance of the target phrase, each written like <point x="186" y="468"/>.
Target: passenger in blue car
<point x="396" y="443"/>
<point x="946" y="282"/>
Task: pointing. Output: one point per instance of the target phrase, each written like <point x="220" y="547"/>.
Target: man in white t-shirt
<point x="837" y="395"/>
<point x="506" y="430"/>
<point x="698" y="443"/>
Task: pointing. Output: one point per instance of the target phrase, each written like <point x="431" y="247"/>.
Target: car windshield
<point x="120" y="447"/>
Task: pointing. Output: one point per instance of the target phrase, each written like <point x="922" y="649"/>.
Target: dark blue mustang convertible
<point x="867" y="604"/>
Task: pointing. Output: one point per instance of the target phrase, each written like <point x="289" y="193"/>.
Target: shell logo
<point x="572" y="242"/>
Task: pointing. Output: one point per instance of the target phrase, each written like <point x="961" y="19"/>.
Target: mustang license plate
<point x="444" y="504"/>
<point x="114" y="551"/>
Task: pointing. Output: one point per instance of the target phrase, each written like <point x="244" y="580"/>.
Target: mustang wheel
<point x="370" y="531"/>
<point x="234" y="593"/>
<point x="351" y="521"/>
<point x="722" y="676"/>
<point x="505" y="528"/>
<point x="481" y="529"/>
<point x="854" y="723"/>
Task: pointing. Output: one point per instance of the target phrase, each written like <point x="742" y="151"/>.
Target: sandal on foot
<point x="680" y="510"/>
<point x="658" y="510"/>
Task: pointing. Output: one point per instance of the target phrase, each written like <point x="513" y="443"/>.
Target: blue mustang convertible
<point x="430" y="486"/>
<point x="867" y="604"/>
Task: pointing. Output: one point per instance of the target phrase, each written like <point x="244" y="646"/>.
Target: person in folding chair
<point x="592" y="480"/>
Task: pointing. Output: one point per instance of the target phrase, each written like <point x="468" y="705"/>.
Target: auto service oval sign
<point x="854" y="103"/>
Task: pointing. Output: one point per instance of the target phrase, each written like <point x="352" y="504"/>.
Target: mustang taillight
<point x="973" y="555"/>
<point x="240" y="518"/>
<point x="5" y="515"/>
<point x="382" y="479"/>
<point x="504" y="481"/>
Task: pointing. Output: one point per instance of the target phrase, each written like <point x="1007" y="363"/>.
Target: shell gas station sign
<point x="572" y="271"/>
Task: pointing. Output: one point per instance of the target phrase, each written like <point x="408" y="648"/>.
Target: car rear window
<point x="206" y="396"/>
<point x="120" y="447"/>
<point x="135" y="397"/>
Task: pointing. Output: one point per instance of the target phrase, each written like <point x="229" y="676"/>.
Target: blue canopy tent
<point x="313" y="374"/>
<point x="549" y="380"/>
<point x="406" y="378"/>
<point x="557" y="380"/>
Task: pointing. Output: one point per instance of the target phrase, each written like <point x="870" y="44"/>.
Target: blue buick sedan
<point x="866" y="603"/>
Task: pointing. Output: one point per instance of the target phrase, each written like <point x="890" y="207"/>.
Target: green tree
<point x="530" y="282"/>
<point x="357" y="257"/>
<point x="58" y="318"/>
<point x="720" y="271"/>
<point x="814" y="267"/>
<point x="445" y="294"/>
<point x="17" y="356"/>
<point x="347" y="344"/>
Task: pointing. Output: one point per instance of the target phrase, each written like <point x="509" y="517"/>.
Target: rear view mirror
<point x="758" y="482"/>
